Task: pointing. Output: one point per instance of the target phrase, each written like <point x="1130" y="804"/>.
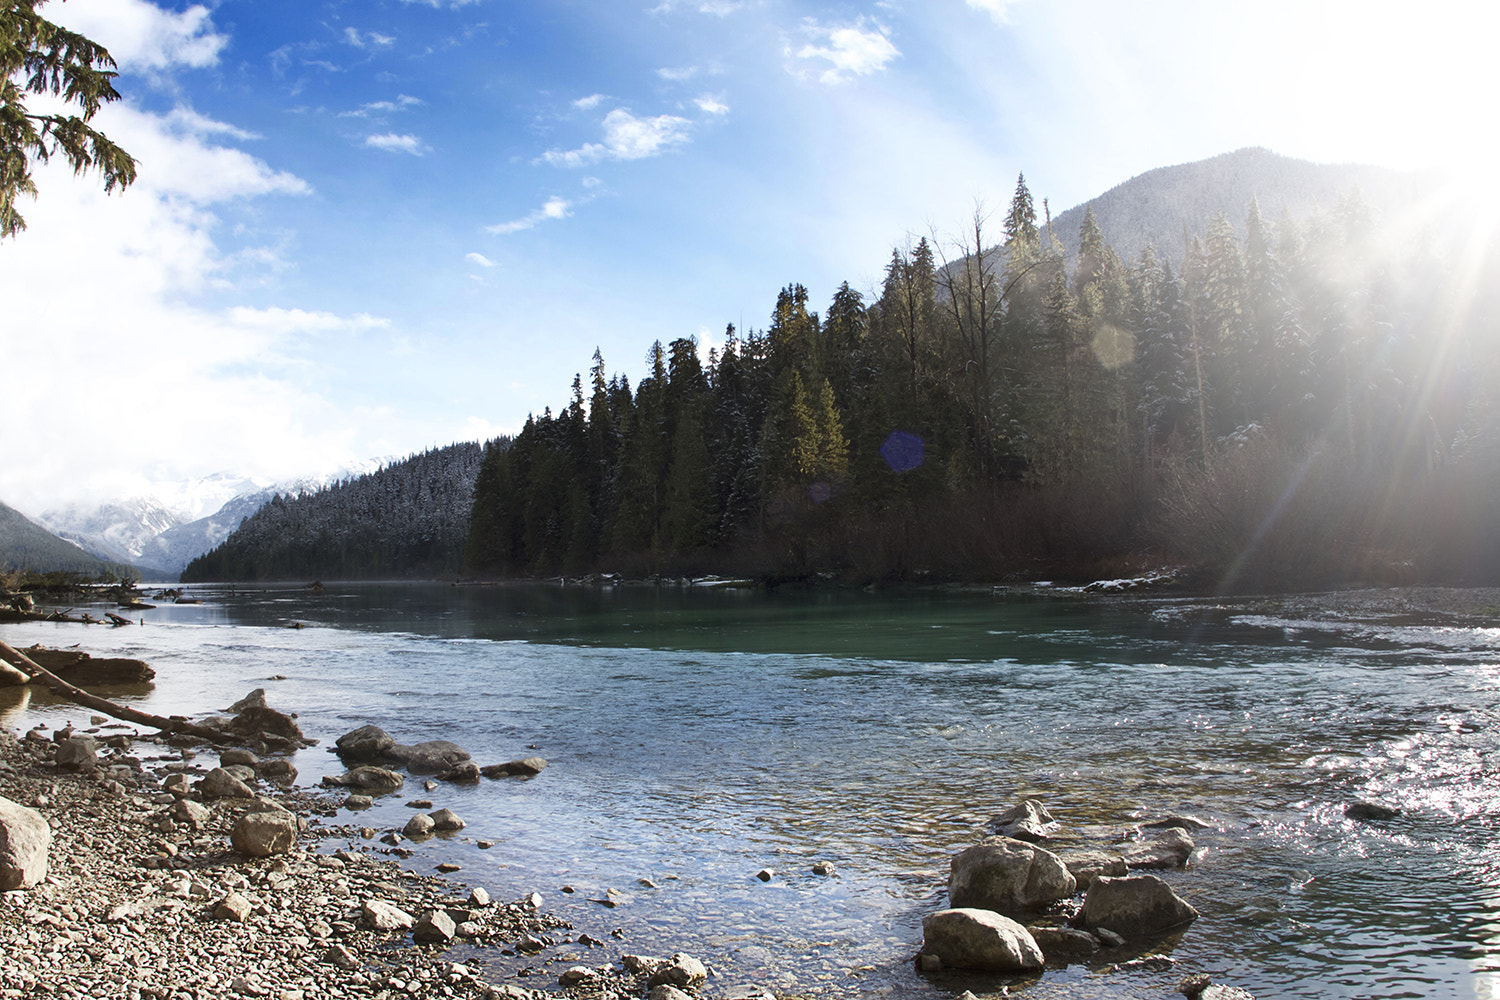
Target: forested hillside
<point x="25" y="545"/>
<point x="1313" y="402"/>
<point x="408" y="519"/>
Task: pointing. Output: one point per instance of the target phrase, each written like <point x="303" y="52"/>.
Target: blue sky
<point x="363" y="229"/>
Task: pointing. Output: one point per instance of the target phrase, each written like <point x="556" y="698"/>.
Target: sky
<point x="364" y="229"/>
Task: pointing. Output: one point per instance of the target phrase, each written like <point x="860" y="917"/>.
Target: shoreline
<point x="140" y="905"/>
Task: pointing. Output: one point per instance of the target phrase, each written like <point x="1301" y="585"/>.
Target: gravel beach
<point x="145" y="898"/>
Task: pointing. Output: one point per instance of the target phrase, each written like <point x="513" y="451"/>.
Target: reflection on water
<point x="697" y="737"/>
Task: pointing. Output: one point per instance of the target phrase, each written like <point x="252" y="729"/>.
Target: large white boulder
<point x="25" y="839"/>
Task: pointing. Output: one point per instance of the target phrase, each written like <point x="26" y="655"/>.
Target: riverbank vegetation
<point x="1296" y="404"/>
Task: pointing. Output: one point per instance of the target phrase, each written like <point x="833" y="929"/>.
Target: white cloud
<point x="718" y="8"/>
<point x="995" y="8"/>
<point x="102" y="294"/>
<point x="847" y="50"/>
<point x="393" y="143"/>
<point x="141" y="35"/>
<point x="440" y="4"/>
<point x="626" y="137"/>
<point x="588" y="103"/>
<point x="554" y="208"/>
<point x="711" y="104"/>
<point x="479" y="258"/>
<point x="677" y="75"/>
<point x="376" y="109"/>
<point x="186" y="120"/>
<point x="369" y="39"/>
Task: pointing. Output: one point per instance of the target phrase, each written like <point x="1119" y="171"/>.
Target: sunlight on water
<point x="696" y="738"/>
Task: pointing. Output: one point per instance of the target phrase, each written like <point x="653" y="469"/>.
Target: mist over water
<point x="696" y="737"/>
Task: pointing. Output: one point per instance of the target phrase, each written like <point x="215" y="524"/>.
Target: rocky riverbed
<point x="145" y="896"/>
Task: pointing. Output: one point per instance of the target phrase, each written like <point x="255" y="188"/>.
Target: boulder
<point x="1134" y="907"/>
<point x="430" y="757"/>
<point x="681" y="971"/>
<point x="220" y="784"/>
<point x="244" y="772"/>
<point x="969" y="938"/>
<point x="255" y="699"/>
<point x="79" y="753"/>
<point x="1180" y="822"/>
<point x="1168" y="848"/>
<point x="358" y="802"/>
<point x="523" y="768"/>
<point x="381" y="915"/>
<point x="1029" y="821"/>
<point x="435" y="927"/>
<point x="262" y="834"/>
<point x="258" y="720"/>
<point x="366" y="744"/>
<point x="1362" y="810"/>
<point x="1087" y="865"/>
<point x="1064" y="942"/>
<point x="280" y="770"/>
<point x="419" y="825"/>
<point x="240" y="758"/>
<point x="466" y="772"/>
<point x="189" y="813"/>
<point x="369" y="778"/>
<point x="446" y="821"/>
<point x="1007" y="876"/>
<point x="25" y="839"/>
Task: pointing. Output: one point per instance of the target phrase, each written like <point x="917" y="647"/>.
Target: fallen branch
<point x="82" y="697"/>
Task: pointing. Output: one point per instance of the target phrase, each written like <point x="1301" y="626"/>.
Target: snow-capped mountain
<point x="177" y="521"/>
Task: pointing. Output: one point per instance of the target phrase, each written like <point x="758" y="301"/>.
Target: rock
<point x="1007" y="876"/>
<point x="177" y="784"/>
<point x="342" y="957"/>
<point x="419" y="825"/>
<point x="244" y="772"/>
<point x="220" y="784"/>
<point x="466" y="772"/>
<point x="479" y="897"/>
<point x="1169" y="848"/>
<point x="765" y="874"/>
<point x="446" y="821"/>
<point x="367" y="744"/>
<point x="1109" y="938"/>
<point x="381" y="915"/>
<point x="25" y="839"/>
<point x="523" y="768"/>
<point x="576" y="976"/>
<point x="262" y="834"/>
<point x="233" y="907"/>
<point x="77" y="754"/>
<point x="823" y="868"/>
<point x="375" y="779"/>
<point x="242" y="758"/>
<point x="358" y="802"/>
<point x="1217" y="992"/>
<point x="82" y="670"/>
<point x="969" y="938"/>
<point x="665" y="992"/>
<point x="682" y="971"/>
<point x="435" y="927"/>
<point x="255" y="699"/>
<point x="258" y="720"/>
<point x="1359" y="809"/>
<point x="1029" y="821"/>
<point x="190" y="813"/>
<point x="1063" y="941"/>
<point x="1087" y="865"/>
<point x="1180" y="822"/>
<point x="1134" y="907"/>
<point x="279" y="770"/>
<point x="430" y="757"/>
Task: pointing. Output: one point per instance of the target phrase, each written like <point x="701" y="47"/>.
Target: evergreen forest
<point x="1298" y="403"/>
<point x="409" y="519"/>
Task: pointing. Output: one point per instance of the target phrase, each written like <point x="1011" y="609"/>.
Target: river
<point x="696" y="736"/>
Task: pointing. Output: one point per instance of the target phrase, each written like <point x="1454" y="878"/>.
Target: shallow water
<point x="698" y="736"/>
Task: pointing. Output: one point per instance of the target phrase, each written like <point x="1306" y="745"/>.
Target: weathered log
<point x="82" y="697"/>
<point x="117" y="620"/>
<point x="12" y="677"/>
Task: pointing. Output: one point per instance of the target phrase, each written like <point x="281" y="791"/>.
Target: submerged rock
<point x="1359" y="809"/>
<point x="524" y="768"/>
<point x="367" y="778"/>
<point x="1168" y="848"/>
<point x="969" y="938"/>
<point x="1134" y="907"/>
<point x="367" y="744"/>
<point x="429" y="757"/>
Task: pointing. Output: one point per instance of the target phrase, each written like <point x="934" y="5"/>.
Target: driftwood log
<point x="23" y="663"/>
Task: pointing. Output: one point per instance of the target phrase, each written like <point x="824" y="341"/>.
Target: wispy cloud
<point x="718" y="8"/>
<point x="186" y="120"/>
<point x="368" y="40"/>
<point x="440" y="4"/>
<point x="588" y="103"/>
<point x="842" y="51"/>
<point x="626" y="137"/>
<point x="555" y="208"/>
<point x="284" y="321"/>
<point x="479" y="258"/>
<point x="677" y="74"/>
<point x="376" y="109"/>
<point x="995" y="8"/>
<point x="393" y="143"/>
<point x="711" y="104"/>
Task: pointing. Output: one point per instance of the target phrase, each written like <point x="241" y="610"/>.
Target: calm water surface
<point x="697" y="736"/>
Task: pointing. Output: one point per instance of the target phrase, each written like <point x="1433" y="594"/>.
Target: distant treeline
<point x="408" y="519"/>
<point x="1313" y="404"/>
